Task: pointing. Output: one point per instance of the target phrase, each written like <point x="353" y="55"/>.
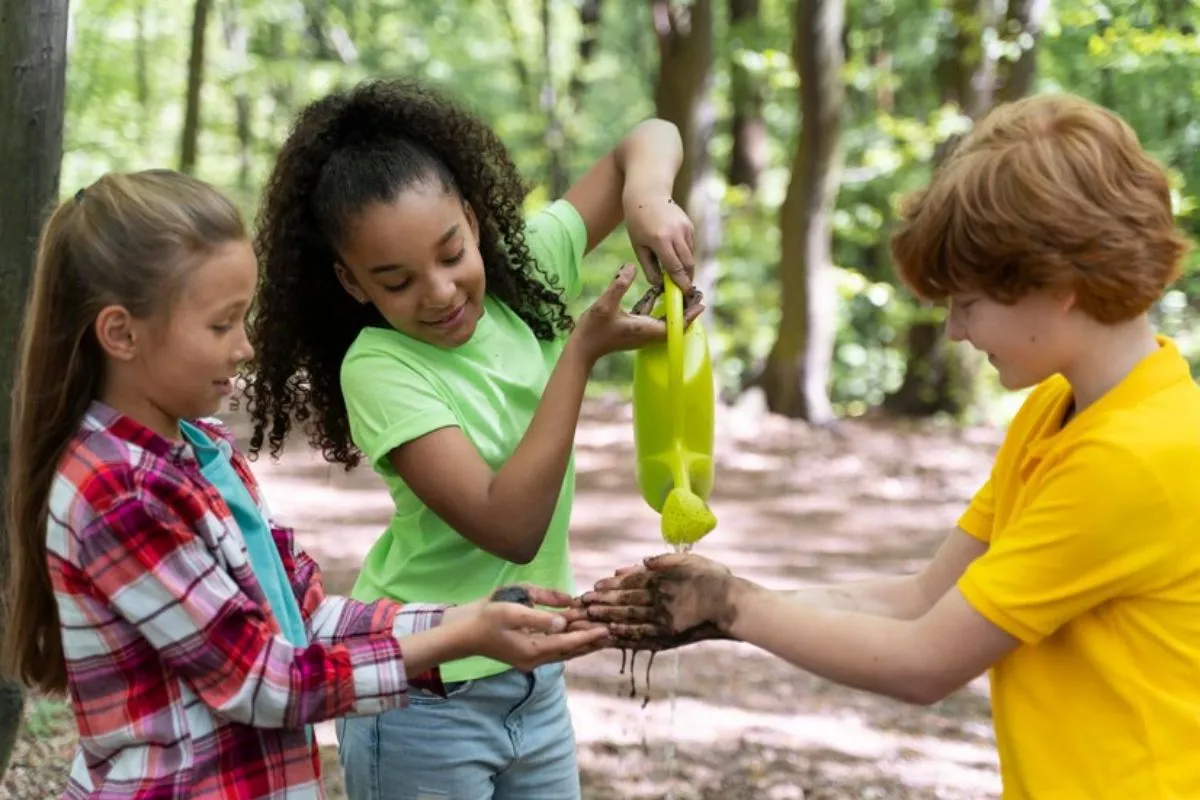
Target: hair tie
<point x="79" y="195"/>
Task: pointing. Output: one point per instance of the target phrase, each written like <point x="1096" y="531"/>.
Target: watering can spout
<point x="673" y="413"/>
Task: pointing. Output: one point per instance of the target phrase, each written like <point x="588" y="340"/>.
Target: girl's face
<point x="181" y="364"/>
<point x="417" y="260"/>
<point x="1027" y="341"/>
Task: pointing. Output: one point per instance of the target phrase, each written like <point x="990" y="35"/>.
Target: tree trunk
<point x="142" y="77"/>
<point x="796" y="375"/>
<point x="33" y="67"/>
<point x="748" y="154"/>
<point x="940" y="377"/>
<point x="195" y="82"/>
<point x="1025" y="19"/>
<point x="236" y="42"/>
<point x="557" y="175"/>
<point x="683" y="95"/>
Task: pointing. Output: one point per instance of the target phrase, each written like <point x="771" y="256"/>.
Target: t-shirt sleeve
<point x="1098" y="528"/>
<point x="389" y="403"/>
<point x="980" y="515"/>
<point x="557" y="238"/>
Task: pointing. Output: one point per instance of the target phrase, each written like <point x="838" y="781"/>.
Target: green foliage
<point x="128" y="74"/>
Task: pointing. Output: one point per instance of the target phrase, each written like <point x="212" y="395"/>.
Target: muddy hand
<point x="675" y="593"/>
<point x="693" y="304"/>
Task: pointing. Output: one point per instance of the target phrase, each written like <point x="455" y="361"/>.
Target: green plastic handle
<point x="675" y="348"/>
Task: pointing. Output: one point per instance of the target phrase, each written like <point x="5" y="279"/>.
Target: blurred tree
<point x="33" y="66"/>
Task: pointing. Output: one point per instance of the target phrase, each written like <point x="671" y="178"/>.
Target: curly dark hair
<point x="345" y="152"/>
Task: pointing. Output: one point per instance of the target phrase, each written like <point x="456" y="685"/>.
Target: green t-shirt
<point x="398" y="389"/>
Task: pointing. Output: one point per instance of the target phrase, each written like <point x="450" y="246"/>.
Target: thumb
<point x="619" y="286"/>
<point x="665" y="561"/>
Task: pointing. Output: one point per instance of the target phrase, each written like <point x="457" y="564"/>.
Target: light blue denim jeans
<point x="504" y="737"/>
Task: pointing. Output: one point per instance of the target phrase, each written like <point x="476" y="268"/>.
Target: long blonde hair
<point x="128" y="239"/>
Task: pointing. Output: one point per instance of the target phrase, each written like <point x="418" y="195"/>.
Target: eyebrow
<point x="450" y="233"/>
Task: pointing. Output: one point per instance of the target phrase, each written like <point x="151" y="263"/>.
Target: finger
<point x="626" y="633"/>
<point x="690" y="315"/>
<point x="626" y="614"/>
<point x="665" y="561"/>
<point x="559" y="644"/>
<point x="585" y="625"/>
<point x="673" y="263"/>
<point x="644" y="330"/>
<point x="548" y="597"/>
<point x="623" y="597"/>
<point x="630" y="580"/>
<point x="574" y="614"/>
<point x="522" y="618"/>
<point x="649" y="261"/>
<point x="626" y="570"/>
<point x="687" y="256"/>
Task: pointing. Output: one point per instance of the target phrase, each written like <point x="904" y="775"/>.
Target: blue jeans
<point x="504" y="737"/>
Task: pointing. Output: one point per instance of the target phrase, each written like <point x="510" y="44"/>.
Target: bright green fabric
<point x="398" y="389"/>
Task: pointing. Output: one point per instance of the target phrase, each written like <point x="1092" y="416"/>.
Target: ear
<point x="1065" y="298"/>
<point x="349" y="284"/>
<point x="116" y="333"/>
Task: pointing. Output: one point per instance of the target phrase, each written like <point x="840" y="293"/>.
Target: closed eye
<point x="457" y="257"/>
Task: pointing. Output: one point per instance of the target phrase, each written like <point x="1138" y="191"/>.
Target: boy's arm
<point x="917" y="661"/>
<point x="901" y="596"/>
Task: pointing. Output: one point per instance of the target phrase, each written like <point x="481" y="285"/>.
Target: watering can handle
<point x="675" y="348"/>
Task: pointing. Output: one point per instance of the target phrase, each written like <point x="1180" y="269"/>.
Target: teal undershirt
<point x="217" y="468"/>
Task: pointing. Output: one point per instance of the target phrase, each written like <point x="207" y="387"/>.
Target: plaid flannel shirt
<point x="182" y="684"/>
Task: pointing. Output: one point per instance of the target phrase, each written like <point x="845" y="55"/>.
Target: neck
<point x="1112" y="353"/>
<point x="118" y="395"/>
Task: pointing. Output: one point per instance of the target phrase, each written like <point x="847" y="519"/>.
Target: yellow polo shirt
<point x="1094" y="564"/>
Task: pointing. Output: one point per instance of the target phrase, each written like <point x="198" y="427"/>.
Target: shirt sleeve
<point x="557" y="239"/>
<point x="389" y="403"/>
<point x="1099" y="527"/>
<point x="980" y="515"/>
<point x="335" y="620"/>
<point x="153" y="570"/>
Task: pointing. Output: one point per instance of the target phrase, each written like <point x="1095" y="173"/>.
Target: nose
<point x="956" y="331"/>
<point x="442" y="292"/>
<point x="244" y="351"/>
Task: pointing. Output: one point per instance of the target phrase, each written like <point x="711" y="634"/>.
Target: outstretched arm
<point x="901" y="596"/>
<point x="917" y="661"/>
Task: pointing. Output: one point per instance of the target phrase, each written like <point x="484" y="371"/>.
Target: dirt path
<point x="795" y="506"/>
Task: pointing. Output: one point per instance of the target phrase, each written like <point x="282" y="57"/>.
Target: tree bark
<point x="195" y="82"/>
<point x="33" y="67"/>
<point x="748" y="154"/>
<point x="796" y="376"/>
<point x="683" y="95"/>
<point x="557" y="175"/>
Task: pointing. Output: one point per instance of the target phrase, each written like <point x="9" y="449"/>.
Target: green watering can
<point x="673" y="424"/>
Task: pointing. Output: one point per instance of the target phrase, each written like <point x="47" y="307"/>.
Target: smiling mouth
<point x="450" y="319"/>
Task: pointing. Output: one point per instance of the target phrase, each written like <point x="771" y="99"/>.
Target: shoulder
<point x="104" y="480"/>
<point x="558" y="217"/>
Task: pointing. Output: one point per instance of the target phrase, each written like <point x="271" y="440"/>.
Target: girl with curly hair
<point x="409" y="312"/>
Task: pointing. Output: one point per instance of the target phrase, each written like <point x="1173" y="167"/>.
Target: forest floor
<point x="796" y="506"/>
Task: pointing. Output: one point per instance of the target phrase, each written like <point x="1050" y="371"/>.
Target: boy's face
<point x="1027" y="341"/>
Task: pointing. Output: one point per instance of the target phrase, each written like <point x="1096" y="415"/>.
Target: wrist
<point x="739" y="597"/>
<point x="576" y="353"/>
<point x="461" y="636"/>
